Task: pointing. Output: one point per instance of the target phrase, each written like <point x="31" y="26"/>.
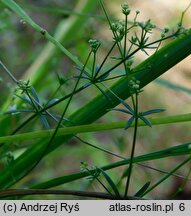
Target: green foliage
<point x="55" y="107"/>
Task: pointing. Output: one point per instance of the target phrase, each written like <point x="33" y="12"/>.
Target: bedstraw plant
<point x="119" y="78"/>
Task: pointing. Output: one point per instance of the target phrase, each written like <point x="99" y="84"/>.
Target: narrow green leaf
<point x="103" y="92"/>
<point x="143" y="189"/>
<point x="146" y="121"/>
<point x="148" y="112"/>
<point x="15" y="111"/>
<point x="125" y="174"/>
<point x="126" y="105"/>
<point x="26" y="99"/>
<point x="44" y="121"/>
<point x="103" y="77"/>
<point x="111" y="183"/>
<point x="52" y="101"/>
<point x="34" y="93"/>
<point x="129" y="122"/>
<point x="122" y="110"/>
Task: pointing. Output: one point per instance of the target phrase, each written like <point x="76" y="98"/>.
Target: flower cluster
<point x="119" y="29"/>
<point x="147" y="26"/>
<point x="94" y="44"/>
<point x="23" y="85"/>
<point x="125" y="9"/>
<point x="134" y="85"/>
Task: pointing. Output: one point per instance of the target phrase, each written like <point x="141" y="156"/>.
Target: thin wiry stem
<point x="93" y="65"/>
<point x="106" y="57"/>
<point x="8" y="72"/>
<point x="125" y="37"/>
<point x="133" y="145"/>
<point x="25" y="192"/>
<point x="167" y="176"/>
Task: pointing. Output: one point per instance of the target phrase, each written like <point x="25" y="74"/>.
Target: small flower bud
<point x="23" y="84"/>
<point x="134" y="39"/>
<point x="125" y="9"/>
<point x="134" y="85"/>
<point x="162" y="35"/>
<point x="147" y="26"/>
<point x="94" y="44"/>
<point x="114" y="27"/>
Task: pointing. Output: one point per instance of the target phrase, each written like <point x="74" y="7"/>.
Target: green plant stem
<point x="106" y="57"/>
<point x="167" y="176"/>
<point x="100" y="182"/>
<point x="93" y="65"/>
<point x="181" y="187"/>
<point x="180" y="150"/>
<point x="133" y="144"/>
<point x="93" y="128"/>
<point x="8" y="72"/>
<point x="125" y="37"/>
<point x="116" y="38"/>
<point x="68" y="103"/>
<point x="25" y="192"/>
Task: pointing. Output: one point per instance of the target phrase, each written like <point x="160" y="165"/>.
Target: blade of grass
<point x="143" y="189"/>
